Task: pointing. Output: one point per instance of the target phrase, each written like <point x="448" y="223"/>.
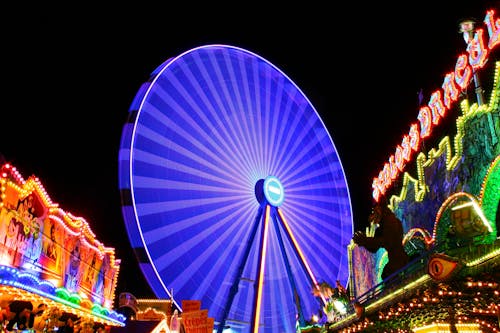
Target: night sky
<point x="69" y="78"/>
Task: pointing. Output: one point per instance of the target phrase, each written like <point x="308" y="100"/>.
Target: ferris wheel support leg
<point x="234" y="287"/>
<point x="296" y="296"/>
<point x="299" y="253"/>
<point x="260" y="271"/>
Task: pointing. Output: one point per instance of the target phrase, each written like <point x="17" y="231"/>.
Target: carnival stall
<point x="50" y="257"/>
<point x="446" y="195"/>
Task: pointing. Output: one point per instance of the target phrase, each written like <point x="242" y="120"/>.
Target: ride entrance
<point x="232" y="190"/>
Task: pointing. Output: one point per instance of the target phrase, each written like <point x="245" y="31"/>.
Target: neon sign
<point x="439" y="103"/>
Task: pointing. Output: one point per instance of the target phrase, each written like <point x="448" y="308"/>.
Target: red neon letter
<point x="393" y="169"/>
<point x="414" y="137"/>
<point x="450" y="91"/>
<point x="477" y="52"/>
<point x="406" y="148"/>
<point x="376" y="189"/>
<point x="493" y="29"/>
<point x="386" y="175"/>
<point x="437" y="107"/>
<point x="398" y="156"/>
<point x="463" y="72"/>
<point x="424" y="117"/>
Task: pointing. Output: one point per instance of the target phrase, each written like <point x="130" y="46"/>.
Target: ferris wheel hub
<point x="273" y="191"/>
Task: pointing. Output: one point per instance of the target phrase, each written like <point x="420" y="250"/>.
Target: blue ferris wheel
<point x="232" y="190"/>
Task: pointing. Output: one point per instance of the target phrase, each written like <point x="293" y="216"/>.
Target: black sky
<point x="69" y="77"/>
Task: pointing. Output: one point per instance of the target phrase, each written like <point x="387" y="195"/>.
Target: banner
<point x="196" y="321"/>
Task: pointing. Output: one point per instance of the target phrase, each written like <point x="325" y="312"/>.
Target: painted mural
<point x="40" y="239"/>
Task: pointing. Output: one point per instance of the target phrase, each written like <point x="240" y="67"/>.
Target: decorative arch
<point x="461" y="219"/>
<point x="490" y="195"/>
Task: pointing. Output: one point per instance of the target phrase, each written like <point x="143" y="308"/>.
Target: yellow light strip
<point x="478" y="211"/>
<point x="484" y="258"/>
<point x="467" y="204"/>
<point x="421" y="280"/>
<point x="453" y="151"/>
<point x="445" y="327"/>
<point x="299" y="251"/>
<point x="261" y="274"/>
<point x="8" y="292"/>
<point x="472" y="203"/>
<point x="154" y="311"/>
<point x="414" y="284"/>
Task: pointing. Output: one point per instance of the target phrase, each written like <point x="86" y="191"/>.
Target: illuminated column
<point x="467" y="27"/>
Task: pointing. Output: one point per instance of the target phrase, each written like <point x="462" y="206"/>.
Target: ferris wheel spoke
<point x="276" y="108"/>
<point x="318" y="179"/>
<point x="168" y="169"/>
<point x="219" y="111"/>
<point x="220" y="67"/>
<point x="280" y="137"/>
<point x="283" y="252"/>
<point x="261" y="107"/>
<point x="241" y="263"/>
<point x="279" y="292"/>
<point x="292" y="136"/>
<point x="312" y="240"/>
<point x="252" y="99"/>
<point x="243" y="102"/>
<point x="226" y="250"/>
<point x="218" y="139"/>
<point x="308" y="157"/>
<point x="182" y="221"/>
<point x="201" y="138"/>
<point x="265" y="116"/>
<point x="296" y="247"/>
<point x="260" y="271"/>
<point x="184" y="143"/>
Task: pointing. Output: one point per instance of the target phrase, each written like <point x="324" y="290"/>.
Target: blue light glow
<point x="203" y="131"/>
<point x="273" y="190"/>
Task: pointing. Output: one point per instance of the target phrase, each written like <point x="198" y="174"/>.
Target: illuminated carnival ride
<point x="233" y="192"/>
